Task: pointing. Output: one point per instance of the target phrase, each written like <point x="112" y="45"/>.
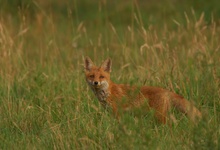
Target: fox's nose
<point x="96" y="83"/>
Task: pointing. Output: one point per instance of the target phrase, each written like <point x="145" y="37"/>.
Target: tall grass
<point x="45" y="102"/>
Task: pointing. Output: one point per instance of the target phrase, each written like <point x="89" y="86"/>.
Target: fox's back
<point x="137" y="95"/>
<point x="149" y="92"/>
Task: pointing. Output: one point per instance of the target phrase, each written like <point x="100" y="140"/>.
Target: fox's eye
<point x="101" y="77"/>
<point x="91" y="76"/>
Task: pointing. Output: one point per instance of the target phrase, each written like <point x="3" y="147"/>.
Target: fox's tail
<point x="186" y="107"/>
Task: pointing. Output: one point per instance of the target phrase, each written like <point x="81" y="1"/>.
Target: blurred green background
<point x="102" y="25"/>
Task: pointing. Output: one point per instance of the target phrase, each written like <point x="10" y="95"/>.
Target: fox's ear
<point x="88" y="64"/>
<point x="106" y="65"/>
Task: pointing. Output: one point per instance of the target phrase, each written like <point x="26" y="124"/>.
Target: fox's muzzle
<point x="94" y="83"/>
<point x="97" y="84"/>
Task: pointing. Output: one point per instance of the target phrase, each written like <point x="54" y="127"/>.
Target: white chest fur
<point x="102" y="95"/>
<point x="102" y="91"/>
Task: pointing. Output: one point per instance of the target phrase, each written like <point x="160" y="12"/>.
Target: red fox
<point x="120" y="97"/>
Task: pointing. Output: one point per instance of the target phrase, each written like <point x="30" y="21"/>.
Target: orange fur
<point x="120" y="97"/>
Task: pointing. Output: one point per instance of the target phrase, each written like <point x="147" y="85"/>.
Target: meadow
<point x="45" y="102"/>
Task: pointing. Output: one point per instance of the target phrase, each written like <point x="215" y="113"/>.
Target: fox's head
<point x="98" y="77"/>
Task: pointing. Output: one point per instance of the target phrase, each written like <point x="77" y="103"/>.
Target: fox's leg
<point x="161" y="116"/>
<point x="161" y="107"/>
<point x="115" y="112"/>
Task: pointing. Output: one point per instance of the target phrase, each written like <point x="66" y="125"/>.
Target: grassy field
<point x="45" y="102"/>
